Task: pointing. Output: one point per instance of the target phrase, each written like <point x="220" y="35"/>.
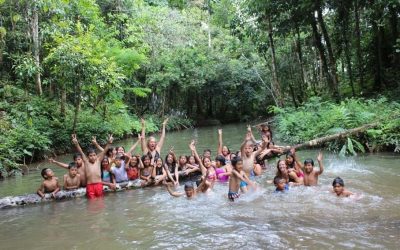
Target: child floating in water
<point x="72" y="178"/>
<point x="280" y="184"/>
<point x="310" y="174"/>
<point x="190" y="191"/>
<point x="49" y="185"/>
<point x="338" y="188"/>
<point x="237" y="177"/>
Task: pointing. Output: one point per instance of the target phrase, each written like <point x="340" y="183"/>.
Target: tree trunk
<point x="332" y="62"/>
<point x="77" y="106"/>
<point x="63" y="100"/>
<point x="300" y="59"/>
<point x="358" y="44"/>
<point x="276" y="86"/>
<point x="393" y="19"/>
<point x="34" y="26"/>
<point x="378" y="37"/>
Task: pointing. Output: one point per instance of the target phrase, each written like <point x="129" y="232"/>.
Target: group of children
<point x="115" y="167"/>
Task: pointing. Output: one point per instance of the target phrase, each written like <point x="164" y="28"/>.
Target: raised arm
<point x="162" y="138"/>
<point x="134" y="145"/>
<point x="94" y="142"/>
<point x="263" y="146"/>
<point x="321" y="165"/>
<point x="251" y="134"/>
<point x="173" y="193"/>
<point x="220" y="145"/>
<point x="143" y="135"/>
<point x="57" y="163"/>
<point x="103" y="153"/>
<point x="196" y="156"/>
<point x="78" y="147"/>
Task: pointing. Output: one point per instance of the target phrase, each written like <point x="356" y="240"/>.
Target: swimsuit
<point x="106" y="176"/>
<point x="221" y="178"/>
<point x="94" y="190"/>
<point x="133" y="173"/>
<point x="212" y="177"/>
<point x="233" y="195"/>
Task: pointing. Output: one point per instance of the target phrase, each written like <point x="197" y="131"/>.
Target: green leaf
<point x="27" y="152"/>
<point x="343" y="150"/>
<point x="359" y="145"/>
<point x="350" y="147"/>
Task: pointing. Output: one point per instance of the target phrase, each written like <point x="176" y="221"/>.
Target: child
<point x="280" y="184"/>
<point x="72" y="179"/>
<point x="237" y="176"/>
<point x="49" y="185"/>
<point x="293" y="163"/>
<point x="171" y="168"/>
<point x="223" y="171"/>
<point x="338" y="188"/>
<point x="190" y="191"/>
<point x="311" y="175"/>
<point x="119" y="170"/>
<point x="79" y="165"/>
<point x="159" y="174"/>
<point x="107" y="176"/>
<point x="223" y="150"/>
<point x="133" y="168"/>
<point x="146" y="171"/>
<point x="94" y="187"/>
<point x="207" y="169"/>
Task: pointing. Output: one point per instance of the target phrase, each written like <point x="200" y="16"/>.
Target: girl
<point x="146" y="171"/>
<point x="223" y="170"/>
<point x="223" y="150"/>
<point x="134" y="168"/>
<point x="159" y="174"/>
<point x="170" y="168"/>
<point x="294" y="164"/>
<point x="208" y="171"/>
<point x="107" y="176"/>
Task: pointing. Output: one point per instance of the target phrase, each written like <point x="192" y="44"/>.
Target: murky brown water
<point x="151" y="218"/>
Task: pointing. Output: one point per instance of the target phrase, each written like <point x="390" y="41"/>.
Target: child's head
<point x="134" y="161"/>
<point x="248" y="148"/>
<point x="72" y="169"/>
<point x="120" y="150"/>
<point x="225" y="151"/>
<point x="105" y="163"/>
<point x="189" y="189"/>
<point x="308" y="165"/>
<point x="289" y="158"/>
<point x="281" y="168"/>
<point x="152" y="143"/>
<point x="207" y="153"/>
<point x="338" y="185"/>
<point x="146" y="159"/>
<point x="219" y="161"/>
<point x="191" y="160"/>
<point x="111" y="152"/>
<point x="91" y="153"/>
<point x="119" y="158"/>
<point x="78" y="159"/>
<point x="159" y="162"/>
<point x="170" y="159"/>
<point x="182" y="160"/>
<point x="47" y="173"/>
<point x="279" y="183"/>
<point x="207" y="162"/>
<point x="237" y="163"/>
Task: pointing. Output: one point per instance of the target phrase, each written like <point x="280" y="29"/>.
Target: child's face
<point x="78" y="161"/>
<point x="73" y="172"/>
<point x="207" y="162"/>
<point x="114" y="151"/>
<point x="121" y="150"/>
<point x="239" y="166"/>
<point x="289" y="160"/>
<point x="146" y="161"/>
<point x="189" y="192"/>
<point x="207" y="154"/>
<point x="170" y="159"/>
<point x="117" y="163"/>
<point x="281" y="185"/>
<point x="182" y="160"/>
<point x="49" y="173"/>
<point x="338" y="189"/>
<point x="248" y="149"/>
<point x="105" y="164"/>
<point x="282" y="167"/>
<point x="225" y="151"/>
<point x="133" y="161"/>
<point x="308" y="168"/>
<point x="159" y="163"/>
<point x="192" y="160"/>
<point x="92" y="157"/>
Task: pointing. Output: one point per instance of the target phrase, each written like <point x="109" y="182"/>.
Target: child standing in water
<point x="310" y="174"/>
<point x="94" y="187"/>
<point x="119" y="170"/>
<point x="49" y="185"/>
<point x="223" y="150"/>
<point x="338" y="188"/>
<point x="237" y="176"/>
<point x="146" y="171"/>
<point x="280" y="184"/>
<point x="222" y="169"/>
<point x="72" y="178"/>
<point x="79" y="165"/>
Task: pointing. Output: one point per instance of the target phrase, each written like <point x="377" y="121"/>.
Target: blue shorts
<point x="243" y="184"/>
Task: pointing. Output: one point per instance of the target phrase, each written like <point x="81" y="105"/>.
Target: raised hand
<point x="139" y="137"/>
<point x="110" y="139"/>
<point x="192" y="145"/>
<point x="319" y="157"/>
<point x="165" y="121"/>
<point x="94" y="141"/>
<point x="74" y="139"/>
<point x="51" y="160"/>
<point x="220" y="131"/>
<point x="171" y="150"/>
<point x="249" y="128"/>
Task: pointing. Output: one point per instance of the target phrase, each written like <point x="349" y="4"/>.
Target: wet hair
<point x="235" y="160"/>
<point x="90" y="151"/>
<point x="43" y="172"/>
<point x="109" y="152"/>
<point x="162" y="162"/>
<point x="173" y="159"/>
<point x="119" y="157"/>
<point x="339" y="181"/>
<point x="307" y="161"/>
<point x="205" y="158"/>
<point x="221" y="159"/>
<point x="137" y="161"/>
<point x="277" y="179"/>
<point x="278" y="170"/>
<point x="183" y="156"/>
<point x="77" y="155"/>
<point x="207" y="150"/>
<point x="289" y="154"/>
<point x="72" y="165"/>
<point x="146" y="156"/>
<point x="189" y="185"/>
<point x="119" y="148"/>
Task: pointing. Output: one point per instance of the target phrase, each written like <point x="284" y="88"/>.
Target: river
<point x="150" y="218"/>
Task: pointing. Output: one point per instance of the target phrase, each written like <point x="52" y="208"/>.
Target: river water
<point x="150" y="218"/>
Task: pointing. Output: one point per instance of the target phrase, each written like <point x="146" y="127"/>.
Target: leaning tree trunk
<point x="358" y="43"/>
<point x="34" y="26"/>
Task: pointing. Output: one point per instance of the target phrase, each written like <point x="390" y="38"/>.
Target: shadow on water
<point x="151" y="218"/>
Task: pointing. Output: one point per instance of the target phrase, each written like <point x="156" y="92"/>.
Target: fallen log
<point x="30" y="199"/>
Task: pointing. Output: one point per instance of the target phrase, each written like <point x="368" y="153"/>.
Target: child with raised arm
<point x="49" y="185"/>
<point x="207" y="169"/>
<point x="223" y="150"/>
<point x="146" y="171"/>
<point x="190" y="191"/>
<point x="237" y="176"/>
<point x="310" y="174"/>
<point x="338" y="188"/>
<point x="94" y="186"/>
<point x="72" y="178"/>
<point x="153" y="147"/>
<point x="79" y="165"/>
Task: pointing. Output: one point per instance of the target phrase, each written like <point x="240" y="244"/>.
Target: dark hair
<point x="339" y="181"/>
<point x="146" y="155"/>
<point x="204" y="159"/>
<point x="229" y="151"/>
<point x="77" y="155"/>
<point x="309" y="161"/>
<point x="90" y="151"/>
<point x="120" y="157"/>
<point x="71" y="165"/>
<point x="110" y="152"/>
<point x="277" y="179"/>
<point x="207" y="150"/>
<point x="221" y="159"/>
<point x="137" y="159"/>
<point x="189" y="185"/>
<point x="235" y="160"/>
<point x="289" y="154"/>
<point x="43" y="172"/>
<point x="120" y="147"/>
<point x="173" y="159"/>
<point x="278" y="170"/>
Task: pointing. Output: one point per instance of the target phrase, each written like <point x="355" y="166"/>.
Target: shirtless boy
<point x="79" y="165"/>
<point x="49" y="185"/>
<point x="236" y="178"/>
<point x="338" y="188"/>
<point x="94" y="187"/>
<point x="310" y="174"/>
<point x="72" y="178"/>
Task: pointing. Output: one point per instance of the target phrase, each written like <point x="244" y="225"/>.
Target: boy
<point x="236" y="178"/>
<point x="190" y="192"/>
<point x="79" y="165"/>
<point x="94" y="186"/>
<point x="280" y="184"/>
<point x="49" y="185"/>
<point x="338" y="188"/>
<point x="72" y="178"/>
<point x="310" y="174"/>
<point x="119" y="169"/>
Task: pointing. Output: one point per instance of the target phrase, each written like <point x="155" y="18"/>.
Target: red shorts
<point x="94" y="190"/>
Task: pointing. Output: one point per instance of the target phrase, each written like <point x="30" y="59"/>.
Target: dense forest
<point x="97" y="66"/>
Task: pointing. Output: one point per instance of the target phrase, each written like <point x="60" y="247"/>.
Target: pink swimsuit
<point x="221" y="178"/>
